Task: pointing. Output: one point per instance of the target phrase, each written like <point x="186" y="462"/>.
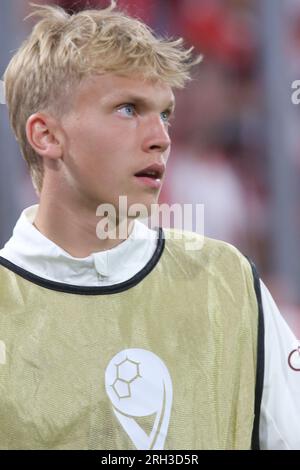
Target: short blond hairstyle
<point x="63" y="49"/>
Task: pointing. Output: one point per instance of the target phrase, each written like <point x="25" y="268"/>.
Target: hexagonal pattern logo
<point x="138" y="384"/>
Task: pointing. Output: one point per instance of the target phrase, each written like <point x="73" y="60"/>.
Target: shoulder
<point x="195" y="246"/>
<point x="214" y="260"/>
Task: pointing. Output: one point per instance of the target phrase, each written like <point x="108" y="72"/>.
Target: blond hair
<point x="63" y="49"/>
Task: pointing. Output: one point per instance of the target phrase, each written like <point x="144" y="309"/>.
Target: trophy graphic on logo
<point x="138" y="385"/>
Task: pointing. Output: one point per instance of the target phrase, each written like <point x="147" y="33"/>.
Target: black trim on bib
<point x="260" y="359"/>
<point x="93" y="290"/>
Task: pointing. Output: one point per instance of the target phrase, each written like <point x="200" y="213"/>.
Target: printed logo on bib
<point x="139" y="385"/>
<point x="2" y="353"/>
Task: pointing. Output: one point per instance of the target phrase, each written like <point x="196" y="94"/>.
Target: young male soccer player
<point x="133" y="342"/>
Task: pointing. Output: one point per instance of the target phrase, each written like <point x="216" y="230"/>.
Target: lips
<point x="155" y="171"/>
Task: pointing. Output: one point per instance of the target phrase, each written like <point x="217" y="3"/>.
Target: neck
<point x="76" y="229"/>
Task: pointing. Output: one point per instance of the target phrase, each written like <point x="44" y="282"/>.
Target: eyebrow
<point x="141" y="101"/>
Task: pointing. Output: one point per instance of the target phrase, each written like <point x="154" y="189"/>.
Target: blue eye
<point x="128" y="108"/>
<point x="165" y="116"/>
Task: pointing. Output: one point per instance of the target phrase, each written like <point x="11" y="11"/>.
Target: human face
<point x="117" y="127"/>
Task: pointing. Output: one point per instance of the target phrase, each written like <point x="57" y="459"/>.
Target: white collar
<point x="31" y="250"/>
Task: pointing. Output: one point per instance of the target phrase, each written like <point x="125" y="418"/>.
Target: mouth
<point x="151" y="176"/>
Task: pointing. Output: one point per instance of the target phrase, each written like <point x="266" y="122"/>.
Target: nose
<point x="156" y="138"/>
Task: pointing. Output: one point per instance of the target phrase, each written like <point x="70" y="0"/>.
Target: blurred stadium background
<point x="236" y="139"/>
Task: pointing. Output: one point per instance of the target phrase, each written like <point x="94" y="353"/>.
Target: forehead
<point x="108" y="88"/>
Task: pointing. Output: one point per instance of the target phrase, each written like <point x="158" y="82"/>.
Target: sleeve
<point x="279" y="424"/>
